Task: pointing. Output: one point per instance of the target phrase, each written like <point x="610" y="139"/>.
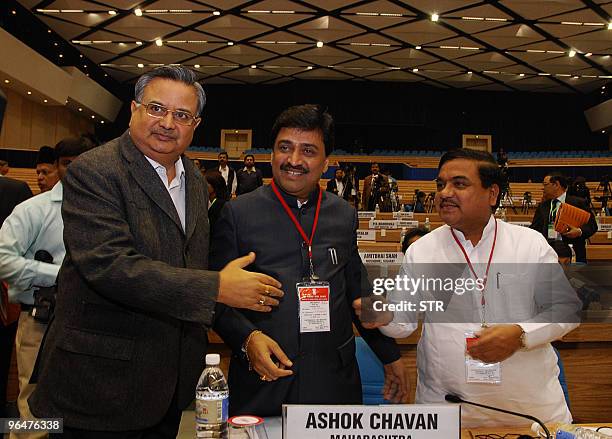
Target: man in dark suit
<point x="228" y="173"/>
<point x="339" y="185"/>
<point x="123" y="355"/>
<point x="554" y="194"/>
<point x="249" y="178"/>
<point x="376" y="191"/>
<point x="314" y="350"/>
<point x="12" y="192"/>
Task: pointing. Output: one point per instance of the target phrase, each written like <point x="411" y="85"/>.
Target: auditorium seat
<point x="372" y="373"/>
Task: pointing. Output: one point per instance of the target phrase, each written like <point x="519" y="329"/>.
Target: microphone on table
<point x="455" y="399"/>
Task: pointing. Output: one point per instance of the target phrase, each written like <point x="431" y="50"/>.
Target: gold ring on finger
<point x="262" y="301"/>
<point x="267" y="291"/>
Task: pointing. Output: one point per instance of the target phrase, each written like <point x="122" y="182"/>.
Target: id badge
<point x="314" y="306"/>
<point x="552" y="233"/>
<point x="478" y="372"/>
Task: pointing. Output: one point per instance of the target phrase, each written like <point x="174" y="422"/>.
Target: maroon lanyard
<point x="297" y="224"/>
<point x="486" y="276"/>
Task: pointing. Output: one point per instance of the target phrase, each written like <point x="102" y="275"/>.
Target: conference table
<point x="274" y="430"/>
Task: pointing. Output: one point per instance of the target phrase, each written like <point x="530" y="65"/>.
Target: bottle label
<point x="212" y="411"/>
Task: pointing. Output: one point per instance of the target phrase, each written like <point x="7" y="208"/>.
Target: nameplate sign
<point x="381" y="257"/>
<point x="366" y="235"/>
<point x="403" y="215"/>
<point x="383" y="224"/>
<point x="605" y="227"/>
<point x="520" y="223"/>
<point x="409" y="224"/>
<point x="366" y="214"/>
<point x="417" y="421"/>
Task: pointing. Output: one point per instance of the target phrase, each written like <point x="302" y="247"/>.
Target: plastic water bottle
<point x="212" y="401"/>
<point x="574" y="432"/>
<point x="377" y="209"/>
<point x="402" y="234"/>
<point x="427" y="224"/>
<point x="573" y="260"/>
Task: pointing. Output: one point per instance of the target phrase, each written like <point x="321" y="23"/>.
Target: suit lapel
<point x="147" y="178"/>
<point x="195" y="199"/>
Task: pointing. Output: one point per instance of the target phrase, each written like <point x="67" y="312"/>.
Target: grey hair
<point x="176" y="73"/>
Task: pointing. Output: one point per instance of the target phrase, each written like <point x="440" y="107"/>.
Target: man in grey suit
<point x="124" y="353"/>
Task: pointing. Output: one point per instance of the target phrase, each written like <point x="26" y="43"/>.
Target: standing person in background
<point x="338" y="185"/>
<point x="46" y="169"/>
<point x="554" y="193"/>
<point x="31" y="253"/>
<point x="229" y="175"/>
<point x="249" y="178"/>
<point x="217" y="196"/>
<point x="12" y="192"/>
<point x="376" y="191"/>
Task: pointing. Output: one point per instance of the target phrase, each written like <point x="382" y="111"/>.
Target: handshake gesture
<point x="239" y="288"/>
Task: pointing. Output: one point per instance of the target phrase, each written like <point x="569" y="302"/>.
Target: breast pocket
<point x="514" y="299"/>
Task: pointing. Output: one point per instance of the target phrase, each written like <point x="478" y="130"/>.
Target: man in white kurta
<point x="518" y="313"/>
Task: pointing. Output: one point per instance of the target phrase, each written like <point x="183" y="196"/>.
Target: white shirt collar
<point x="486" y="233"/>
<point x="160" y="169"/>
<point x="57" y="192"/>
<point x="562" y="197"/>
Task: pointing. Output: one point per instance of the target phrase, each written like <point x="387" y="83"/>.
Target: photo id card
<point x="475" y="370"/>
<point x="314" y="306"/>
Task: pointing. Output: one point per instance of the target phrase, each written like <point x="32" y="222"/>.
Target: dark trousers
<point x="167" y="428"/>
<point x="7" y="339"/>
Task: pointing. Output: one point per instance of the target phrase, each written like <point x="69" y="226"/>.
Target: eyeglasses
<point x="159" y="111"/>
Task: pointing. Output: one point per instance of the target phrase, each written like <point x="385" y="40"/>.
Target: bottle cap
<point x="213" y="359"/>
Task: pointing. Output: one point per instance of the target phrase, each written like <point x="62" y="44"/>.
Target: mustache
<point x="165" y="133"/>
<point x="448" y="202"/>
<point x="287" y="167"/>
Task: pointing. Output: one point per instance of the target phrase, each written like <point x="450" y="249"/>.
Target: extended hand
<point x="397" y="382"/>
<point x="496" y="343"/>
<point x="371" y="319"/>
<point x="260" y="350"/>
<point x="239" y="288"/>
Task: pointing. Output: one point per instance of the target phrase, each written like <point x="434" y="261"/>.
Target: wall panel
<point x="29" y="125"/>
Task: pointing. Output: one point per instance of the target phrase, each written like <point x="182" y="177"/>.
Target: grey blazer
<point x="134" y="299"/>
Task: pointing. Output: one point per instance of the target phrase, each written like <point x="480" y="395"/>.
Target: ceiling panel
<point x="363" y="40"/>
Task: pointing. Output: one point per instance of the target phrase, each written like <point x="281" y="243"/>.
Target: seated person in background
<point x="412" y="236"/>
<point x="419" y="204"/>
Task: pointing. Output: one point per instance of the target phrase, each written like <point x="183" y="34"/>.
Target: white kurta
<point x="530" y="381"/>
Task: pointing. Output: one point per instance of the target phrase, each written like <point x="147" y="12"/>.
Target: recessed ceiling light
<point x="139" y="43"/>
<point x="418" y="47"/>
<point x="6" y="81"/>
<point x="138" y="12"/>
<point x="216" y="13"/>
<point x="230" y="43"/>
<point x="319" y="43"/>
<point x="588" y="54"/>
<point x="93" y="117"/>
<point x="309" y="67"/>
<point x="469" y="72"/>
<point x="521" y="74"/>
<point x="61" y="56"/>
<point x="45" y="101"/>
<point x="253" y="66"/>
<point x="29" y="92"/>
<point x="140" y="65"/>
<point x="603" y="131"/>
<point x="101" y="121"/>
<point x="80" y="109"/>
<point x="575" y="77"/>
<point x="159" y="42"/>
<point x="112" y="12"/>
<point x="435" y="17"/>
<point x="197" y="66"/>
<point x="572" y="53"/>
<point x="415" y="70"/>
